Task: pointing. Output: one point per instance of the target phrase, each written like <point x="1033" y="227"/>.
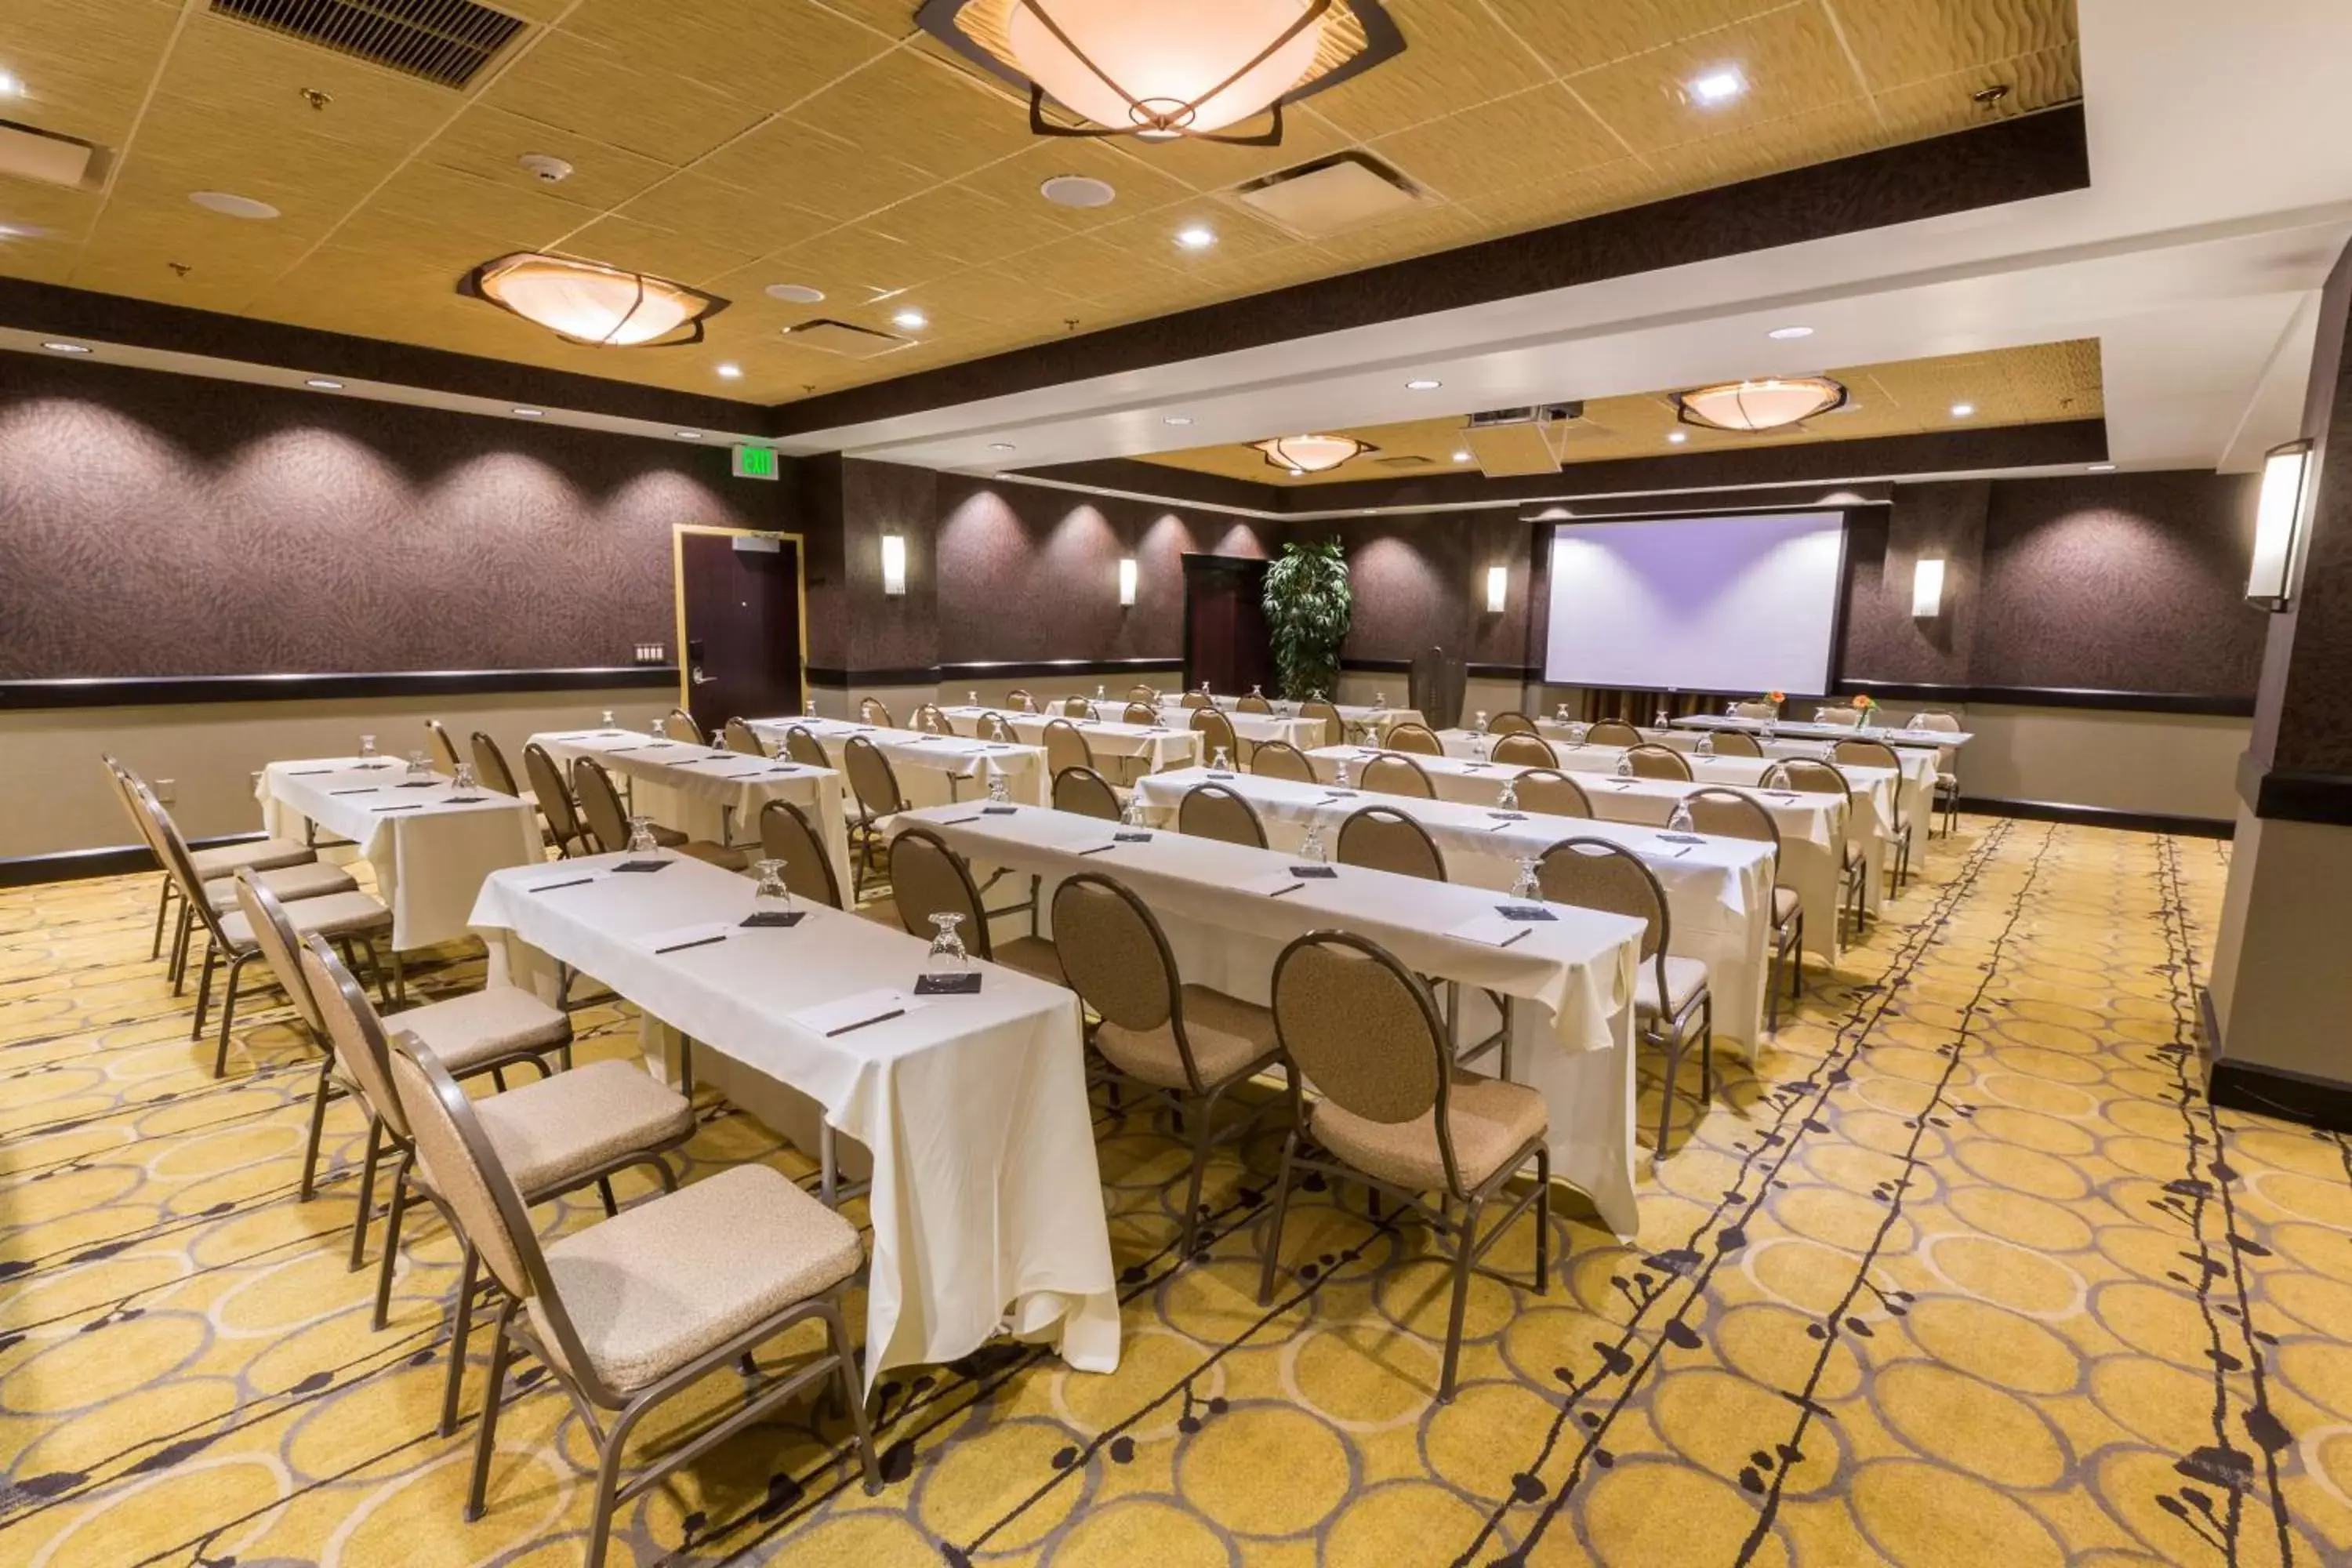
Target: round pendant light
<point x="1311" y="454"/>
<point x="589" y="302"/>
<point x="1749" y="406"/>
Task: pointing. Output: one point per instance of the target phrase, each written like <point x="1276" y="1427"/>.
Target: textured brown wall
<point x="1882" y="639"/>
<point x="2302" y="724"/>
<point x="158" y="524"/>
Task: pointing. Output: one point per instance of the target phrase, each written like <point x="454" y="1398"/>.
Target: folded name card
<point x="1682" y="837"/>
<point x="768" y="920"/>
<point x="465" y="800"/>
<point x="998" y="810"/>
<point x="422" y="783"/>
<point x="1509" y="816"/>
<point x="363" y="789"/>
<point x="645" y="865"/>
<point x="853" y="1012"/>
<point x="1490" y="931"/>
<point x="677" y="938"/>
<point x="1218" y="775"/>
<point x="1131" y="838"/>
<point x="1525" y="912"/>
<point x="1318" y="872"/>
<point x="949" y="984"/>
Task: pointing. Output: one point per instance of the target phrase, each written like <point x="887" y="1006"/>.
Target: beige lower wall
<point x="2282" y="971"/>
<point x="54" y="798"/>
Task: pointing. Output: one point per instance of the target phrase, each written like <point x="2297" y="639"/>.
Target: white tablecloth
<point x="987" y="1202"/>
<point x="1805" y="729"/>
<point x="1152" y="747"/>
<point x="429" y="860"/>
<point x="1252" y="729"/>
<point x="708" y="794"/>
<point x="1573" y="1042"/>
<point x="1718" y="890"/>
<point x="929" y="768"/>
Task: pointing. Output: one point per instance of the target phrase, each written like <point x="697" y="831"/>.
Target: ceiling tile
<point x="1900" y="41"/>
<point x="51" y="212"/>
<point x="572" y="84"/>
<point x="910" y="109"/>
<point x="1817" y="135"/>
<point x="1214" y="165"/>
<point x="894" y="18"/>
<point x="1483" y="149"/>
<point x="1945" y="103"/>
<point x="1437" y="226"/>
<point x="487" y="141"/>
<point x="853" y="265"/>
<point x="958" y="224"/>
<point x="1455" y="55"/>
<point x="643" y="248"/>
<point x="695" y="204"/>
<point x="771" y="53"/>
<point x="1074" y="268"/>
<point x="1572" y="38"/>
<point x="483" y="216"/>
<point x="815" y="169"/>
<point x="1790" y="60"/>
<point x="258" y="78"/>
<point x="1139" y="186"/>
<point x="73" y="55"/>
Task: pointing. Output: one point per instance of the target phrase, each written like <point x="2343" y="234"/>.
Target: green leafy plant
<point x="1309" y="608"/>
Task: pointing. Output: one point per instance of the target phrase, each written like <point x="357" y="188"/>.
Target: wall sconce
<point x="894" y="564"/>
<point x="1499" y="588"/>
<point x="1127" y="582"/>
<point x="2278" y="518"/>
<point x="1928" y="588"/>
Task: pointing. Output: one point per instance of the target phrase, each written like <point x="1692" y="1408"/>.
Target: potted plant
<point x="1309" y="608"/>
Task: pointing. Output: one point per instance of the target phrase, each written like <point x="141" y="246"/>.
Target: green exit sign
<point x="755" y="462"/>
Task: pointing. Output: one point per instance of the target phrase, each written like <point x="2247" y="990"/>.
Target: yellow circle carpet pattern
<point x="1960" y="1270"/>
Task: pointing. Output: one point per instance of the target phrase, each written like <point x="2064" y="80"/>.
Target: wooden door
<point x="741" y="598"/>
<point x="1225" y="638"/>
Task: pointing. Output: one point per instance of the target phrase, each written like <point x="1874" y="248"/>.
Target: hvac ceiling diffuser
<point x="443" y="41"/>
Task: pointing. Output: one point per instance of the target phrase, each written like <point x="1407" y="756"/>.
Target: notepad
<point x="1489" y="930"/>
<point x="1268" y="884"/>
<point x="677" y="937"/>
<point x="851" y="1012"/>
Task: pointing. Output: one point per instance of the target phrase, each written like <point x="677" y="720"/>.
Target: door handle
<point x="701" y="679"/>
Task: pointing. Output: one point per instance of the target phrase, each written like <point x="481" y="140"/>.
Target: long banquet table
<point x="931" y="766"/>
<point x="1718" y="890"/>
<point x="1226" y="923"/>
<point x="1151" y="747"/>
<point x="429" y="845"/>
<point x="1814" y="729"/>
<point x="986" y="1202"/>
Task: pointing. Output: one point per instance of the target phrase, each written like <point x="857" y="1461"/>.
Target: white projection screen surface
<point x="1696" y="603"/>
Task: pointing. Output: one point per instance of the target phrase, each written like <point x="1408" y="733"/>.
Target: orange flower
<point x="1777" y="696"/>
<point x="1863" y="700"/>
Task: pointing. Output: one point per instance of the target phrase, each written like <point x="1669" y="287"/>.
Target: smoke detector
<point x="545" y="167"/>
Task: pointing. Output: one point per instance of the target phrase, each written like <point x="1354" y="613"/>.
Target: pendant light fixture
<point x="1162" y="69"/>
<point x="589" y="302"/>
<point x="1749" y="406"/>
<point x="1311" y="454"/>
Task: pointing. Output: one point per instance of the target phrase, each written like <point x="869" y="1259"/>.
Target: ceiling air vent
<point x="1330" y="194"/>
<point x="1403" y="460"/>
<point x="443" y="41"/>
<point x="28" y="153"/>
<point x="841" y="338"/>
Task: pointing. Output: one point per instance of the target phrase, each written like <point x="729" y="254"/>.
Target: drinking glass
<point x="660" y="732"/>
<point x="641" y="838"/>
<point x="808" y="708"/>
<point x="1767" y="731"/>
<point x="1312" y="850"/>
<point x="464" y="779"/>
<point x="1527" y="885"/>
<point x="1577" y="731"/>
<point x="1625" y="767"/>
<point x="999" y="792"/>
<point x="418" y="768"/>
<point x="1380" y="699"/>
<point x="1101" y="692"/>
<point x="1681" y="821"/>
<point x="947" y="957"/>
<point x="1341" y="780"/>
<point x="608" y="722"/>
<point x="1479" y="723"/>
<point x="367" y="748"/>
<point x="1665" y="719"/>
<point x="1133" y="817"/>
<point x="1509" y="799"/>
<point x="1564" y="717"/>
<point x="1706" y="747"/>
<point x="773" y="896"/>
<point x="1220" y="763"/>
<point x="972" y="697"/>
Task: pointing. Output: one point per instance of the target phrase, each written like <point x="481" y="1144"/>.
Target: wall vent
<point x="1330" y="194"/>
<point x="841" y="338"/>
<point x="443" y="41"/>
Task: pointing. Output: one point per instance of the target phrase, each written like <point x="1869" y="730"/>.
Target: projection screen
<point x="1697" y="604"/>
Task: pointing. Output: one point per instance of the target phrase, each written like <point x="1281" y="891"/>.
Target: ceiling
<point x="2031" y="385"/>
<point x="733" y="144"/>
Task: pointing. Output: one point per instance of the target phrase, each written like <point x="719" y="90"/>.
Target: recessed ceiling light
<point x="1461" y="457"/>
<point x="531" y="413"/>
<point x="687" y="434"/>
<point x="1000" y="445"/>
<point x="9" y="86"/>
<point x="1078" y="190"/>
<point x="65" y="348"/>
<point x="2103" y="468"/>
<point x="1718" y="87"/>
<point x="1785" y="334"/>
<point x="229" y="204"/>
<point x="795" y="293"/>
<point x="1296" y="473"/>
<point x="1677" y="437"/>
<point x="732" y="372"/>
<point x="1962" y="410"/>
<point x="323" y="385"/>
<point x="1178" y="419"/>
<point x="1424" y="384"/>
<point x="1197" y="238"/>
<point x="910" y="320"/>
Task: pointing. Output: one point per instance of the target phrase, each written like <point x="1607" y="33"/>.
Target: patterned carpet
<point x="1964" y="1271"/>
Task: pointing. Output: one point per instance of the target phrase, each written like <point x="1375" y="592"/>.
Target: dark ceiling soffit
<point x="2009" y="161"/>
<point x="58" y="311"/>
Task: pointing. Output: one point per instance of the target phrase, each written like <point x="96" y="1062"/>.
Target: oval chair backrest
<point x="1418" y="738"/>
<point x="786" y="835"/>
<point x="929" y="878"/>
<point x="280" y="947"/>
<point x="1736" y="744"/>
<point x="933" y="720"/>
<point x="1595" y="874"/>
<point x="554" y="796"/>
<point x="1195" y="700"/>
<point x="990" y="726"/>
<point x="1281" y="760"/>
<point x="1728" y="813"/>
<point x="1252" y="703"/>
<point x="1020" y="699"/>
<point x="1335" y="723"/>
<point x="1552" y="793"/>
<point x="1142" y="713"/>
<point x="1085" y="792"/>
<point x="1510" y="722"/>
<point x="1213" y="811"/>
<point x="599" y="804"/>
<point x="164" y="835"/>
<point x="1858" y="753"/>
<point x="1215" y="730"/>
<point x="741" y="737"/>
<point x="801" y="746"/>
<point x="870" y="710"/>
<point x="490" y="763"/>
<point x="1841" y="714"/>
<point x="1390" y="775"/>
<point x="1143" y="696"/>
<point x="1612" y="732"/>
<point x="1367" y="1032"/>
<point x="1381" y="839"/>
<point x="1526" y="748"/>
<point x="1650" y="761"/>
<point x="1066" y="748"/>
<point x="1808" y="776"/>
<point x="351" y="1031"/>
<point x="682" y="727"/>
<point x="1950" y="724"/>
<point x="443" y="746"/>
<point x="871" y="779"/>
<point x="1757" y="709"/>
<point x="1077" y="708"/>
<point x="1116" y="956"/>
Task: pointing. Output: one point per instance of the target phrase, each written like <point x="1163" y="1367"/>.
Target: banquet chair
<point x="608" y="824"/>
<point x="1736" y="743"/>
<point x="445" y="748"/>
<point x="1077" y="708"/>
<point x="1671" y="998"/>
<point x="682" y="727"/>
<point x="1335" y="723"/>
<point x="1080" y="789"/>
<point x="222" y="860"/>
<point x="1197" y="700"/>
<point x="1549" y="792"/>
<point x="1418" y="738"/>
<point x="491" y="765"/>
<point x="1861" y="753"/>
<point x="1843" y="715"/>
<point x="1806" y="776"/>
<point x="1389" y="773"/>
<point x="870" y="710"/>
<point x="1393" y="1109"/>
<point x="992" y="727"/>
<point x="1254" y="702"/>
<point x="1213" y="811"/>
<point x="1215" y="730"/>
<point x="630" y="1312"/>
<point x="1652" y="760"/>
<point x="1729" y="813"/>
<point x="873" y="785"/>
<point x="1524" y="747"/>
<point x="1142" y="713"/>
<point x="1066" y="747"/>
<point x="1145" y="695"/>
<point x="1019" y="698"/>
<point x="1183" y="1045"/>
<point x="1281" y="760"/>
<point x="929" y="878"/>
<point x="1763" y="708"/>
<point x="933" y="720"/>
<point x="1612" y="732"/>
<point x="1382" y="838"/>
<point x="801" y="746"/>
<point x="741" y="737"/>
<point x="556" y="803"/>
<point x="787" y="835"/>
<point x="1511" y="722"/>
<point x="1947" y="778"/>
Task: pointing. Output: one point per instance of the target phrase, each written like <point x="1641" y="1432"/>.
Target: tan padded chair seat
<point x="338" y="914"/>
<point x="285" y="884"/>
<point x="1491" y="1120"/>
<point x="667" y="838"/>
<point x="1785" y="905"/>
<point x="261" y="855"/>
<point x="1032" y="955"/>
<point x="1685" y="978"/>
<point x="727" y="858"/>
<point x="482" y="1026"/>
<point x="671" y="1280"/>
<point x="551" y="1133"/>
<point x="1227" y="1035"/>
